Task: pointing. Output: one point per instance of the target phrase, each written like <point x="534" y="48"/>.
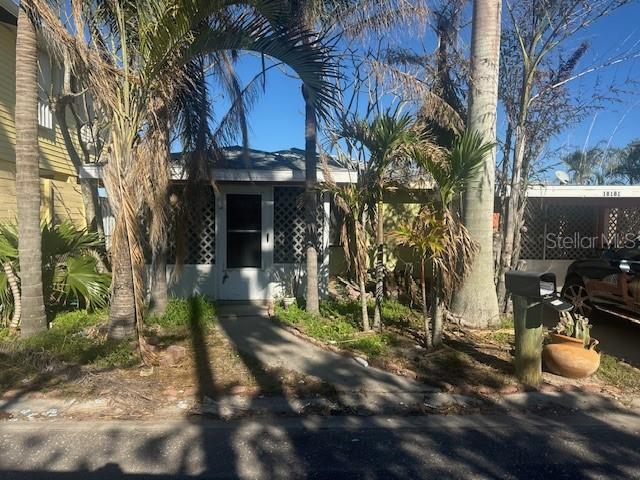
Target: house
<point x="246" y="241"/>
<point x="61" y="197"/>
<point x="564" y="223"/>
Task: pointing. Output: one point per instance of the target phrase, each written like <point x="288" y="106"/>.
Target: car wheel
<point x="575" y="293"/>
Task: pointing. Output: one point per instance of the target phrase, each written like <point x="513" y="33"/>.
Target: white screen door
<point x="245" y="243"/>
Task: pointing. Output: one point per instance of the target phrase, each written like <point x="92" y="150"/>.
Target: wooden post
<point x="527" y="322"/>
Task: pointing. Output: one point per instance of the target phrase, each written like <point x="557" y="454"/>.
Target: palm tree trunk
<point x="159" y="297"/>
<point x="363" y="303"/>
<point x="476" y="303"/>
<point x="28" y="177"/>
<point x="122" y="310"/>
<point x="425" y="313"/>
<point x="377" y="314"/>
<point x="437" y="311"/>
<point x="12" y="280"/>
<point x="311" y="206"/>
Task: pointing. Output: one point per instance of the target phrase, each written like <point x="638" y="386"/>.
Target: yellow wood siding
<point x="59" y="200"/>
<point x="67" y="202"/>
<point x="60" y="193"/>
<point x="53" y="154"/>
<point x="7" y="192"/>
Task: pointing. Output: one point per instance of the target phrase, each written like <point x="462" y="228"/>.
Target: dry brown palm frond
<point x="412" y="88"/>
<point x="455" y="259"/>
<point x="372" y="18"/>
<point x="154" y="175"/>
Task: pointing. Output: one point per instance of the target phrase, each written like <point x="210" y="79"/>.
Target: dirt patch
<point x="211" y="368"/>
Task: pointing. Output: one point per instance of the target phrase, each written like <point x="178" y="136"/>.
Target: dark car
<point x="610" y="283"/>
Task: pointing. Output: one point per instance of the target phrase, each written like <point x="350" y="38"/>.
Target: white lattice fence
<point x="560" y="232"/>
<point x="289" y="225"/>
<point x="195" y="230"/>
<point x="623" y="222"/>
<point x="532" y="243"/>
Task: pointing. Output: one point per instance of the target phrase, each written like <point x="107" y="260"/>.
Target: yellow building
<point x="61" y="198"/>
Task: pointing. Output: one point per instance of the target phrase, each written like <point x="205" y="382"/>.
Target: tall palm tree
<point x="133" y="56"/>
<point x="583" y="165"/>
<point x="33" y="318"/>
<point x="437" y="232"/>
<point x="351" y="202"/>
<point x="628" y="166"/>
<point x="388" y="139"/>
<point x="476" y="303"/>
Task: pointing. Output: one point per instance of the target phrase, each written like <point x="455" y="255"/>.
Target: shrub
<point x="72" y="268"/>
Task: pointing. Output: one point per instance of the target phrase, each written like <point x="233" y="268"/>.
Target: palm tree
<point x="33" y="317"/>
<point x="628" y="166"/>
<point x="437" y="233"/>
<point x="133" y="59"/>
<point x="476" y="303"/>
<point x="583" y="165"/>
<point x="351" y="202"/>
<point x="72" y="269"/>
<point x="388" y="140"/>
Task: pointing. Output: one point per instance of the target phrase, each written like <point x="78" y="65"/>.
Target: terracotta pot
<point x="558" y="338"/>
<point x="569" y="358"/>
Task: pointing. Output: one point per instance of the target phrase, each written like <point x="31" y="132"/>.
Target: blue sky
<point x="277" y="120"/>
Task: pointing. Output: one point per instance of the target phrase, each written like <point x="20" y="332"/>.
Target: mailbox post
<point x="530" y="291"/>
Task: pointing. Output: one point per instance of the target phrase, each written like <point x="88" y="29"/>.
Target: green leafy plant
<point x="73" y="271"/>
<point x="575" y="326"/>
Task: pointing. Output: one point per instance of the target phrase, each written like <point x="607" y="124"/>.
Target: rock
<point x="146" y="372"/>
<point x="361" y="361"/>
<point x="173" y="355"/>
<point x="546" y="388"/>
<point x="485" y="390"/>
<point x="52" y="412"/>
<point x="183" y="405"/>
<point x="509" y="389"/>
<point x="238" y="390"/>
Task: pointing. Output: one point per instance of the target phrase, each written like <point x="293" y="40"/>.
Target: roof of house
<point x="260" y="166"/>
<point x="292" y="159"/>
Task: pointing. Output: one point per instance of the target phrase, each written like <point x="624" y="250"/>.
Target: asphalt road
<point x="604" y="445"/>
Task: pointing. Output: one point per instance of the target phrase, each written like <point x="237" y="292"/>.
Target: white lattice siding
<point x="289" y="225"/>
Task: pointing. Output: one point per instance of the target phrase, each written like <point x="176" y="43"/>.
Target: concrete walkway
<point x="252" y="332"/>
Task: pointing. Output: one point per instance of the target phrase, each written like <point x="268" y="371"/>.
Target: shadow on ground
<point x="571" y="445"/>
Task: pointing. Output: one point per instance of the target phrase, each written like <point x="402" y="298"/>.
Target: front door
<point x="245" y="243"/>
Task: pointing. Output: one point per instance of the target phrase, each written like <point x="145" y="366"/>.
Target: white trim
<point x="583" y="191"/>
<point x="237" y="175"/>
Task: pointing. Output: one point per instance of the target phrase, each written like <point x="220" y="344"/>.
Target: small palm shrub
<point x="73" y="272"/>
